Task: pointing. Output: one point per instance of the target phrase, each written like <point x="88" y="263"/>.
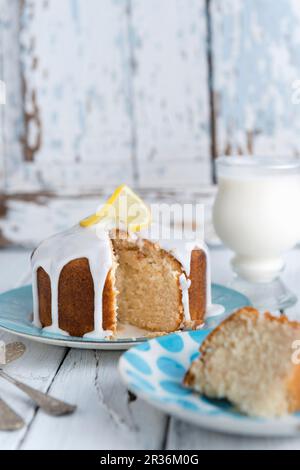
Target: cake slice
<point x="250" y="360"/>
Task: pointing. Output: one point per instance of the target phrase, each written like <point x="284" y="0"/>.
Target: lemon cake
<point x="250" y="360"/>
<point x="88" y="280"/>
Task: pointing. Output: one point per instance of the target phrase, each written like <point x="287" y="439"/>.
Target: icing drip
<point x="185" y="285"/>
<point x="182" y="252"/>
<point x="212" y="310"/>
<point x="54" y="278"/>
<point x="93" y="243"/>
<point x="36" y="317"/>
<point x="54" y="253"/>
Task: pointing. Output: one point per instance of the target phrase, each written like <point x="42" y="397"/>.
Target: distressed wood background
<point x="147" y="92"/>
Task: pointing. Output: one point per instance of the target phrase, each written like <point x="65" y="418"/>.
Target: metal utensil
<point x="13" y="351"/>
<point x="47" y="403"/>
<point x="9" y="419"/>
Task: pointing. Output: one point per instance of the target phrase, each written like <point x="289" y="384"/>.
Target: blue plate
<point x="154" y="371"/>
<point x="16" y="317"/>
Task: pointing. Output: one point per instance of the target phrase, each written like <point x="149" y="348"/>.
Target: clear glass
<point x="256" y="214"/>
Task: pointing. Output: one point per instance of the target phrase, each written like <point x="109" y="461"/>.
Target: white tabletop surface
<point x="107" y="417"/>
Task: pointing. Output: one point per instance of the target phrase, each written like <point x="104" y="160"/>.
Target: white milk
<point x="257" y="213"/>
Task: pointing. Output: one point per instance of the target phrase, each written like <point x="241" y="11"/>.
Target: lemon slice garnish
<point x="124" y="209"/>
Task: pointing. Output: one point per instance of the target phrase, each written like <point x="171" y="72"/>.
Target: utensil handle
<point x="9" y="419"/>
<point x="49" y="404"/>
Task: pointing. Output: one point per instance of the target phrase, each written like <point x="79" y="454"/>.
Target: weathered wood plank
<point x="107" y="417"/>
<point x="77" y="123"/>
<point x="187" y="437"/>
<point x="11" y="112"/>
<point x="75" y="68"/>
<point x="15" y="262"/>
<point x="36" y="367"/>
<point x="50" y="214"/>
<point x="255" y="63"/>
<point x="170" y="89"/>
<point x="2" y="184"/>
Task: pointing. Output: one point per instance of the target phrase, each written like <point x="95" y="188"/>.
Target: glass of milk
<point x="257" y="215"/>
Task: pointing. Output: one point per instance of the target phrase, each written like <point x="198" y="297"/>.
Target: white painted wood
<point x="49" y="215"/>
<point x="74" y="57"/>
<point x="38" y="365"/>
<point x="255" y="64"/>
<point x="187" y="437"/>
<point x="11" y="112"/>
<point x="113" y="111"/>
<point x="105" y="418"/>
<point x="170" y="88"/>
<point x="37" y="369"/>
<point x="14" y="264"/>
<point x="1" y="106"/>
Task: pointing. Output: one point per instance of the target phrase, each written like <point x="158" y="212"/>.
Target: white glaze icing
<point x="57" y="251"/>
<point x="181" y="250"/>
<point x="185" y="285"/>
<point x="94" y="244"/>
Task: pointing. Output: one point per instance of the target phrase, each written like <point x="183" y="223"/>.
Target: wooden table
<point x="107" y="417"/>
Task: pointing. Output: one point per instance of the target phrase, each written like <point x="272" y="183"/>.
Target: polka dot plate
<point x="16" y="317"/>
<point x="154" y="372"/>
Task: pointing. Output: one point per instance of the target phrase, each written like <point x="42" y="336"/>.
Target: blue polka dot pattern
<point x="174" y="387"/>
<point x="210" y="411"/>
<point x="223" y="404"/>
<point x="139" y="363"/>
<point x="154" y="370"/>
<point x="199" y="335"/>
<point x="141" y="382"/>
<point x="144" y="346"/>
<point x="194" y="356"/>
<point x="170" y="367"/>
<point x="219" y="406"/>
<point x="187" y="405"/>
<point x="172" y="343"/>
<point x="134" y="387"/>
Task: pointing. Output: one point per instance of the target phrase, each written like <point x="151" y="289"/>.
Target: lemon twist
<point x="123" y="209"/>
